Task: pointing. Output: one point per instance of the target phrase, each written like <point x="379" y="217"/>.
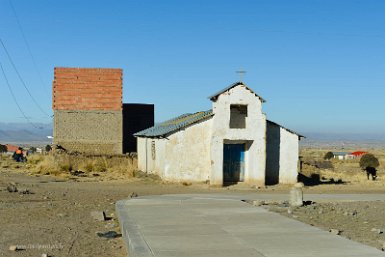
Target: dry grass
<point x="61" y="164"/>
<point x="6" y="162"/>
<point x="345" y="170"/>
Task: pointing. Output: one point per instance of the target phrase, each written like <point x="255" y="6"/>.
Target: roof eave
<point x="215" y="96"/>
<point x="288" y="130"/>
<point x="143" y="133"/>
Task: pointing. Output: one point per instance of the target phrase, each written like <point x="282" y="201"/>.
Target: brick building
<point x="88" y="110"/>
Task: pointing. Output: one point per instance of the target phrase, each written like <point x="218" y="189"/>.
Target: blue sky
<point x="319" y="64"/>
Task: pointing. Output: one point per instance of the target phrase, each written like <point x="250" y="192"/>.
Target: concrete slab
<point x="275" y="196"/>
<point x="218" y="225"/>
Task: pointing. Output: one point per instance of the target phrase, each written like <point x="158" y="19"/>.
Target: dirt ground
<point x="359" y="221"/>
<point x="54" y="218"/>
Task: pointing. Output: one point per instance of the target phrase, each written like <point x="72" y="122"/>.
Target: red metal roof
<point x="358" y="153"/>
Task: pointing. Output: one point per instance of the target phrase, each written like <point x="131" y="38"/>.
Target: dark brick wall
<point x="136" y="117"/>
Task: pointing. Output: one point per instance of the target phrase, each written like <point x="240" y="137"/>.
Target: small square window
<point x="238" y="114"/>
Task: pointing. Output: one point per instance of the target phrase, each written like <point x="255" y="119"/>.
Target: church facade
<point x="231" y="143"/>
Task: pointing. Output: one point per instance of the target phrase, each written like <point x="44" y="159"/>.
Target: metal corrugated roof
<point x="341" y="153"/>
<point x="170" y="126"/>
<point x="239" y="83"/>
<point x="173" y="125"/>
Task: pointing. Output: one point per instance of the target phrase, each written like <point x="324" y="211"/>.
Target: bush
<point x="369" y="161"/>
<point x="35" y="159"/>
<point x="100" y="165"/>
<point x="328" y="156"/>
<point x="86" y="166"/>
<point x="48" y="148"/>
<point x="64" y="164"/>
<point x="3" y="148"/>
<point x="45" y="165"/>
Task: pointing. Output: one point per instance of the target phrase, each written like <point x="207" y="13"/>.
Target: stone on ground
<point x="13" y="248"/>
<point x="99" y="215"/>
<point x="334" y="231"/>
<point x="296" y="195"/>
<point x="12" y="188"/>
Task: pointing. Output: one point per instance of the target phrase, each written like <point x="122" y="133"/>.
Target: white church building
<point x="232" y="143"/>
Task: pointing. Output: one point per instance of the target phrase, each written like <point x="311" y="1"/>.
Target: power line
<point x="21" y="79"/>
<point x="27" y="44"/>
<point x="14" y="98"/>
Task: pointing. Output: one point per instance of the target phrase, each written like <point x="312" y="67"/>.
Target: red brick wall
<point x="87" y="89"/>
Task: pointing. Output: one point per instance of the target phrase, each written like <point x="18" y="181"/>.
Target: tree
<point x="32" y="149"/>
<point x="3" y="148"/>
<point x="328" y="156"/>
<point x="369" y="163"/>
<point x="369" y="160"/>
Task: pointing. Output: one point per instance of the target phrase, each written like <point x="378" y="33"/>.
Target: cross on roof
<point x="241" y="74"/>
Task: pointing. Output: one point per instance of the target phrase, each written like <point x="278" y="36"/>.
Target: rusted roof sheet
<point x="215" y="96"/>
<point x="289" y="130"/>
<point x="168" y="127"/>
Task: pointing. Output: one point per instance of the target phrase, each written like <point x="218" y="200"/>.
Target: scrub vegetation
<point x="337" y="171"/>
<point x="69" y="165"/>
<point x="56" y="164"/>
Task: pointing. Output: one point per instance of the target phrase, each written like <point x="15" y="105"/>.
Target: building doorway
<point x="233" y="163"/>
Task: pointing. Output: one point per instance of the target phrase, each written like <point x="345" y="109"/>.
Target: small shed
<point x="343" y="155"/>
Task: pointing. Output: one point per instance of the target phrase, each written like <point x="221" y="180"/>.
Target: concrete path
<point x="275" y="196"/>
<point x="222" y="225"/>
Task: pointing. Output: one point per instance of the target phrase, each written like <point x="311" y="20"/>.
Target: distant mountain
<point x="24" y="133"/>
<point x="343" y="141"/>
<point x="318" y="136"/>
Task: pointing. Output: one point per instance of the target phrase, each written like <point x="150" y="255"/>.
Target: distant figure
<point x="18" y="155"/>
<point x="371" y="171"/>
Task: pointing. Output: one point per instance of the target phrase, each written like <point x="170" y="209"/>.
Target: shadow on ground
<point x="315" y="180"/>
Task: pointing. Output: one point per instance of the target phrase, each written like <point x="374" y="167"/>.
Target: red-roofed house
<point x="358" y="154"/>
<point x="12" y="148"/>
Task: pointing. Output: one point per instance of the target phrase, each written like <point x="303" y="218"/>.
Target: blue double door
<point x="233" y="163"/>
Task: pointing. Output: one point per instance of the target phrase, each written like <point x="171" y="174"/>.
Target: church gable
<point x="237" y="108"/>
<point x="227" y="90"/>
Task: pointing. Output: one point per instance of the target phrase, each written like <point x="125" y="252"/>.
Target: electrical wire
<point x="14" y="98"/>
<point x="28" y="46"/>
<point x="21" y="79"/>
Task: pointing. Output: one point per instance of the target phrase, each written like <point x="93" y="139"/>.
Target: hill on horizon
<point x="25" y="133"/>
<point x="18" y="132"/>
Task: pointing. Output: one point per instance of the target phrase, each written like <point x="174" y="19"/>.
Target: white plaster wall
<point x="289" y="151"/>
<point x="141" y="150"/>
<point x="145" y="161"/>
<point x="187" y="154"/>
<point x="255" y="131"/>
